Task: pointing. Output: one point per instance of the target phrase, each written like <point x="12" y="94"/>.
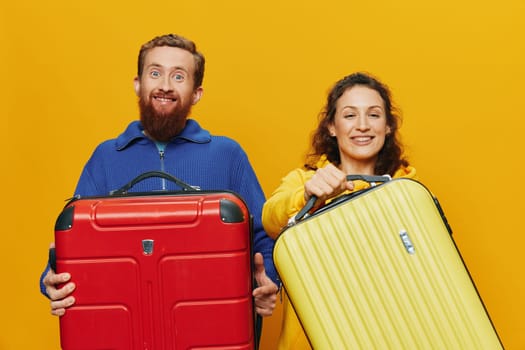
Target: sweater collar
<point x="192" y="132"/>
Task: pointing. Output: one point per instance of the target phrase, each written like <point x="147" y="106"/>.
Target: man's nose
<point x="165" y="84"/>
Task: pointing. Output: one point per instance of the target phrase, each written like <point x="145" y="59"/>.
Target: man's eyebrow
<point x="153" y="65"/>
<point x="158" y="65"/>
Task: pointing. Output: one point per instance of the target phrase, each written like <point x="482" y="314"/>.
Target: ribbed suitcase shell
<point x="193" y="290"/>
<point x="380" y="270"/>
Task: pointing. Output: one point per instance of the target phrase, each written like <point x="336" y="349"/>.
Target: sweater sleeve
<point x="286" y="201"/>
<point x="246" y="184"/>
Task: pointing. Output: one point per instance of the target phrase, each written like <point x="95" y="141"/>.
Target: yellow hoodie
<point x="285" y="202"/>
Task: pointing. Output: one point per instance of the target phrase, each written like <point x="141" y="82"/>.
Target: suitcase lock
<point x="147" y="246"/>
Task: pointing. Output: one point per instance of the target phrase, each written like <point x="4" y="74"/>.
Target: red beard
<point x="162" y="125"/>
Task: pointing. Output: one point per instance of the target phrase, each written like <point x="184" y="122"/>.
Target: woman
<point x="357" y="134"/>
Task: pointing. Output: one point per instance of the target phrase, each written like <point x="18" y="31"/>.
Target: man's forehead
<point x="169" y="57"/>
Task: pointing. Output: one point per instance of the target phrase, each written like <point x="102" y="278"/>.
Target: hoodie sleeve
<point x="286" y="201"/>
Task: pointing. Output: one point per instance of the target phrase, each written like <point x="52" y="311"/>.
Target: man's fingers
<point x="265" y="307"/>
<point x="52" y="278"/>
<point x="264" y="312"/>
<point x="58" y="307"/>
<point x="60" y="293"/>
<point x="259" y="263"/>
<point x="270" y="295"/>
<point x="58" y="312"/>
<point x="267" y="289"/>
<point x="265" y="304"/>
<point x="260" y="271"/>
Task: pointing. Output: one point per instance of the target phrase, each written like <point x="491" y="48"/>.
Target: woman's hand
<point x="326" y="183"/>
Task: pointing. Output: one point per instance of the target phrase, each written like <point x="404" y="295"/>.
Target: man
<point x="168" y="84"/>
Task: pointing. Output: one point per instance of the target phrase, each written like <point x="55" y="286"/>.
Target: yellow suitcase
<point x="380" y="270"/>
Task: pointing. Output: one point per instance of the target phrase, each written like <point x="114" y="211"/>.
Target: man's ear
<point x="136" y="84"/>
<point x="197" y="94"/>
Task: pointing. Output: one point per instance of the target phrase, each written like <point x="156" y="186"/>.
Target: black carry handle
<point x="124" y="189"/>
<point x="52" y="260"/>
<point x="372" y="179"/>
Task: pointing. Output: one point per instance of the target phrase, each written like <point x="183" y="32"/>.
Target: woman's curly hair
<point x="390" y="157"/>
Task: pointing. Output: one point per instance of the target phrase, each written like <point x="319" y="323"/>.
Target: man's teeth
<point x="164" y="99"/>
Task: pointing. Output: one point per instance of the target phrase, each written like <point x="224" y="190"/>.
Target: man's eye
<point x="179" y="77"/>
<point x="155" y="74"/>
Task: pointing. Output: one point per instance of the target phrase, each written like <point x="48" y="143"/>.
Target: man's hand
<point x="60" y="298"/>
<point x="266" y="293"/>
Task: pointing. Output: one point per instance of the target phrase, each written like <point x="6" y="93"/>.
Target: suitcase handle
<point x="124" y="189"/>
<point x="372" y="179"/>
<point x="52" y="259"/>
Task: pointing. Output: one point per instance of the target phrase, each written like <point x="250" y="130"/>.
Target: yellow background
<point x="456" y="68"/>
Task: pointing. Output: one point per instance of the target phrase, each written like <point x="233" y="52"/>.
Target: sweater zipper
<point x="161" y="149"/>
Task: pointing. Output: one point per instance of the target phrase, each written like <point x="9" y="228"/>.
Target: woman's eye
<point x="349" y="116"/>
<point x="375" y="115"/>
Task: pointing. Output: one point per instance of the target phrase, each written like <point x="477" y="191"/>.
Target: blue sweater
<point x="194" y="156"/>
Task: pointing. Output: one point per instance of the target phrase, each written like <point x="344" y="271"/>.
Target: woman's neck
<point x="357" y="167"/>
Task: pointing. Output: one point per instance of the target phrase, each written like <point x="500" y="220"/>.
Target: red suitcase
<point x="157" y="271"/>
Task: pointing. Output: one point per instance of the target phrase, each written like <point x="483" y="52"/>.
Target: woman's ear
<point x="331" y="130"/>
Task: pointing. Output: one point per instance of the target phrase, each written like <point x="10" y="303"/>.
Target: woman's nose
<point x="362" y="122"/>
